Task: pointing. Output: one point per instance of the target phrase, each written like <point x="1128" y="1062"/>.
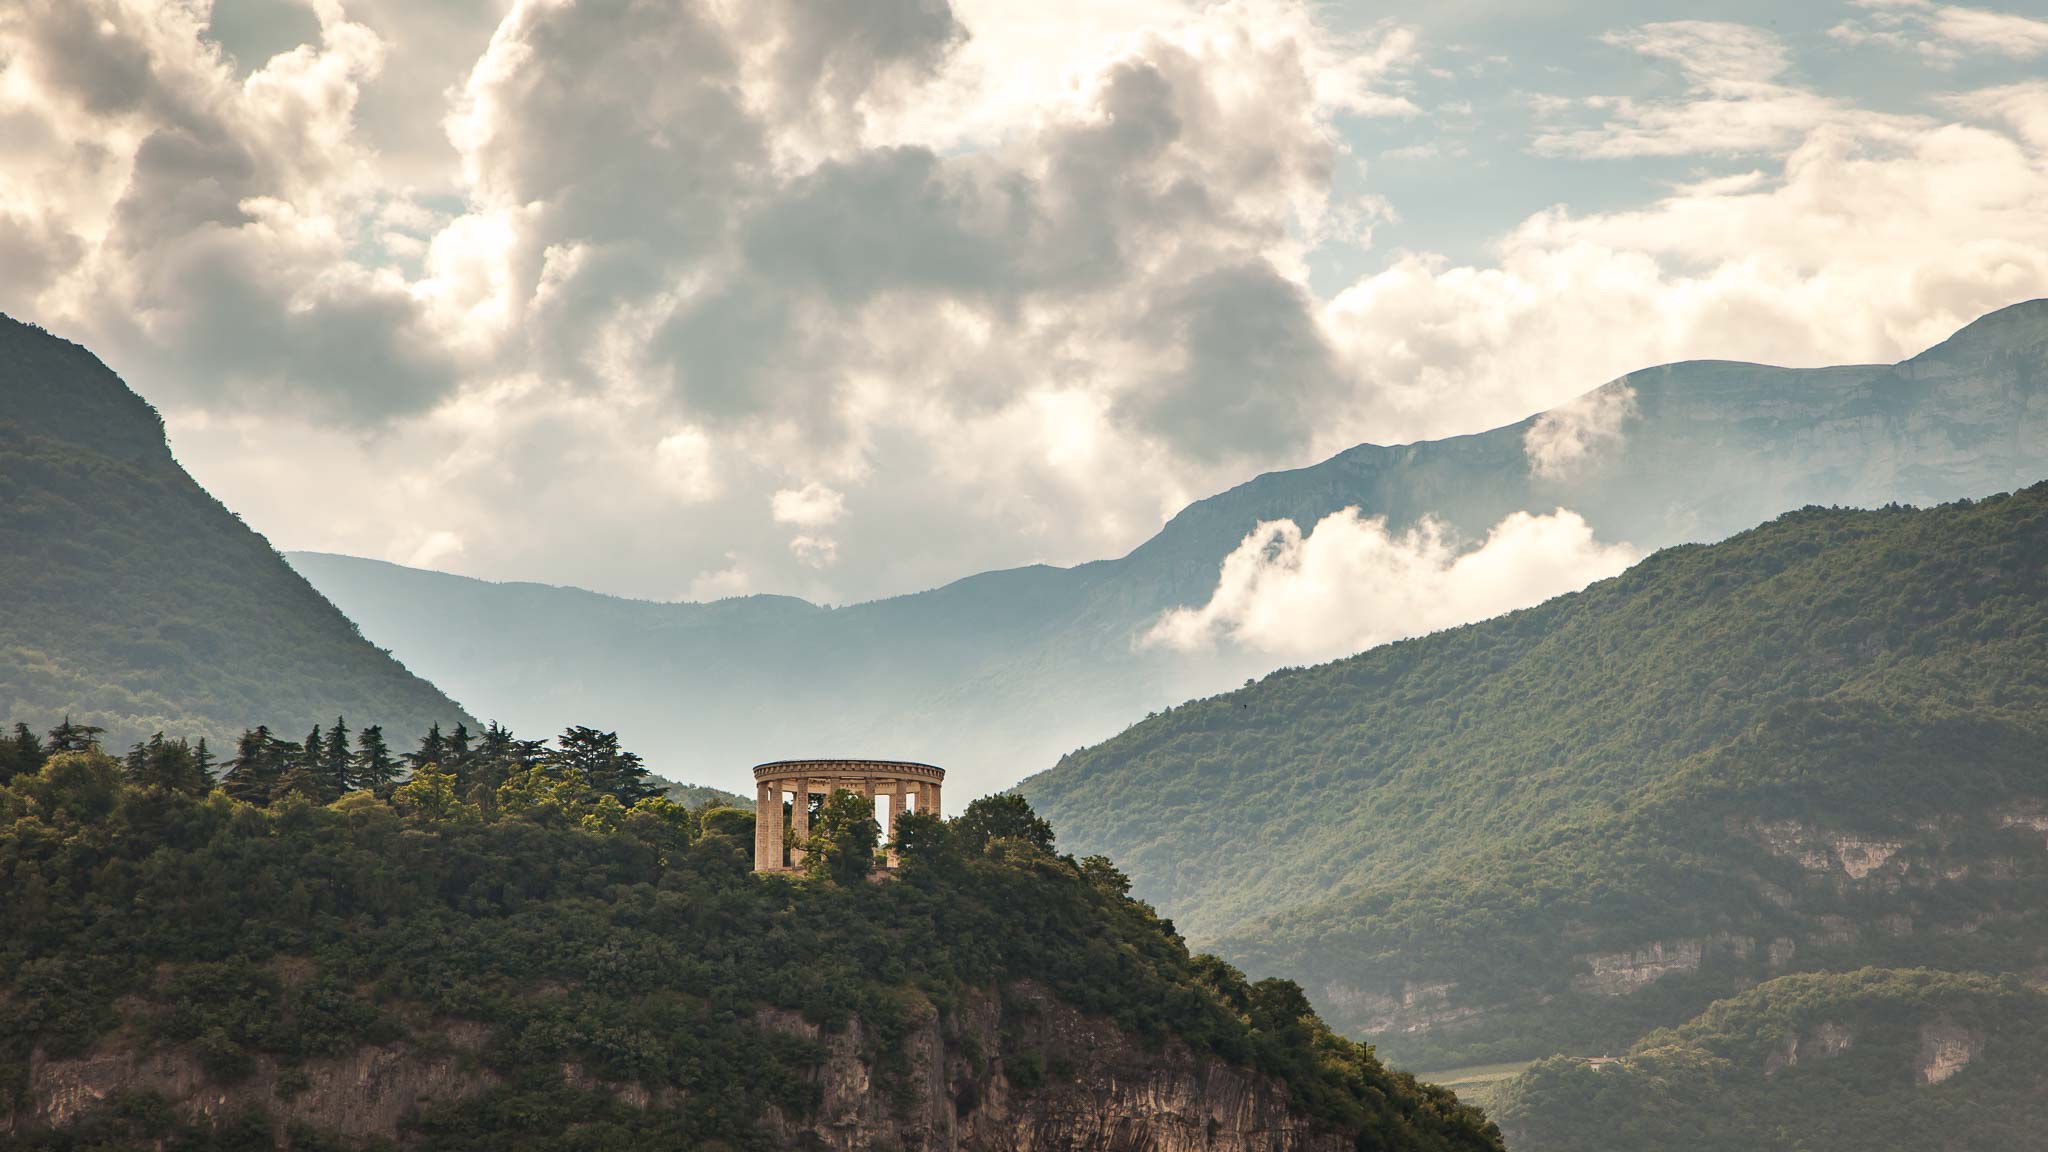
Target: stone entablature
<point x="909" y="785"/>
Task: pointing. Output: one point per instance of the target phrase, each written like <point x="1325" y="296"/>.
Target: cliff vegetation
<point x="182" y="969"/>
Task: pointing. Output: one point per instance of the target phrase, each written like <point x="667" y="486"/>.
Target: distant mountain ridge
<point x="1817" y="745"/>
<point x="131" y="599"/>
<point x="997" y="674"/>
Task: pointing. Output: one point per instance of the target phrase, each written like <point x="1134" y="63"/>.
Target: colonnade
<point x="910" y="786"/>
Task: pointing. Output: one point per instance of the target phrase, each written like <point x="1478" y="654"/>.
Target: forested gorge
<point x="542" y="893"/>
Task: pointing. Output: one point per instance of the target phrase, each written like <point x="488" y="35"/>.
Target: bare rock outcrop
<point x="1946" y="1048"/>
<point x="364" y="1093"/>
<point x="1020" y="1072"/>
<point x="1088" y="1086"/>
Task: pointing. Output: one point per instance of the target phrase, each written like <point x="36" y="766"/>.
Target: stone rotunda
<point x="901" y="785"/>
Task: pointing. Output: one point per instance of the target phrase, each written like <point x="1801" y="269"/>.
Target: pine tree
<point x="21" y="756"/>
<point x="201" y="780"/>
<point x="302" y="775"/>
<point x="337" y="764"/>
<point x="433" y="749"/>
<point x="374" y="769"/>
<point x="603" y="765"/>
<point x="496" y="760"/>
<point x="69" y="737"/>
<point x="457" y="758"/>
<point x="254" y="771"/>
<point x="164" y="764"/>
<point x="136" y="763"/>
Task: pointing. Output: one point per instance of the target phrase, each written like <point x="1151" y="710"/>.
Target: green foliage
<point x="733" y="823"/>
<point x="1808" y="1063"/>
<point x="1003" y="816"/>
<point x="131" y="600"/>
<point x="1489" y="804"/>
<point x="843" y="839"/>
<point x="634" y="942"/>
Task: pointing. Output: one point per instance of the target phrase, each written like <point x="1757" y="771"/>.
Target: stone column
<point x="933" y="789"/>
<point x="893" y="789"/>
<point x="760" y="827"/>
<point x="800" y="821"/>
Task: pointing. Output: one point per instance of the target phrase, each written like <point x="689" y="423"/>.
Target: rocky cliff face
<point x="1020" y="1072"/>
<point x="1029" y="1074"/>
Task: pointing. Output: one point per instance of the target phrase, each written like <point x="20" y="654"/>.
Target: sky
<point x="682" y="299"/>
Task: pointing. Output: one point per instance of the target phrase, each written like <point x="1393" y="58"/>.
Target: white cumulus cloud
<point x="1349" y="584"/>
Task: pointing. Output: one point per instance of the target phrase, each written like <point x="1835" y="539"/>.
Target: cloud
<point x="814" y="551"/>
<point x="671" y="259"/>
<point x="1866" y="243"/>
<point x="686" y="459"/>
<point x="1944" y="34"/>
<point x="1014" y="281"/>
<point x="1736" y="100"/>
<point x="812" y="506"/>
<point x="1564" y="438"/>
<point x="1349" y="584"/>
<point x="2004" y="33"/>
<point x="437" y="549"/>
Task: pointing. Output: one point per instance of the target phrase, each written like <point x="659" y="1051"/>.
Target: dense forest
<point x="1838" y="1062"/>
<point x="133" y="601"/>
<point x="1444" y="836"/>
<point x="547" y="895"/>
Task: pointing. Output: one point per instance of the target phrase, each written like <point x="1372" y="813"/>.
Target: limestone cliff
<point x="1017" y="1072"/>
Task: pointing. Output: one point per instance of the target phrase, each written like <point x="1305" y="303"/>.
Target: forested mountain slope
<point x="1811" y="1063"/>
<point x="998" y="674"/>
<point x="1822" y="743"/>
<point x="190" y="973"/>
<point x="132" y="600"/>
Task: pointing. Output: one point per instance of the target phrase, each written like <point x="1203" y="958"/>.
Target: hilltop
<point x="998" y="674"/>
<point x="1815" y="745"/>
<point x="132" y="600"/>
<point x="553" y="971"/>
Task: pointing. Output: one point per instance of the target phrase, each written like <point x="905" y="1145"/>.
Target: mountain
<point x="191" y="973"/>
<point x="998" y="674"/>
<point x="1818" y="1063"/>
<point x="1817" y="745"/>
<point x="132" y="600"/>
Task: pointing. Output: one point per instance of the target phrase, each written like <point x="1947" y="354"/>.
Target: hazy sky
<point x="685" y="298"/>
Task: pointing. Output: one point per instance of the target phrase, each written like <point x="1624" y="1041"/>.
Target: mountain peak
<point x="2011" y="329"/>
